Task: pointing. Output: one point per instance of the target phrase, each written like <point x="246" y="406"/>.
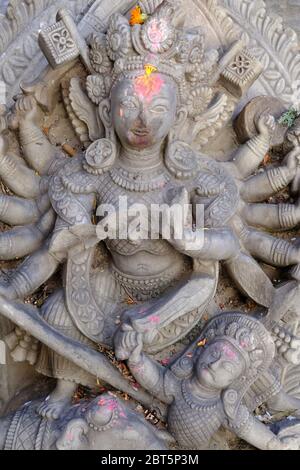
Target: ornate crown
<point x="247" y="335"/>
<point x="156" y="44"/>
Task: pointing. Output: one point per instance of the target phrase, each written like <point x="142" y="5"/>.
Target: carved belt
<point x="150" y="287"/>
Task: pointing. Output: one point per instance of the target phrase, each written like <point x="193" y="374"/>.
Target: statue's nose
<point x="143" y="117"/>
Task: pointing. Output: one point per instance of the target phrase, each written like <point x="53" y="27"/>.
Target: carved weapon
<point x="62" y="43"/>
<point x="28" y="319"/>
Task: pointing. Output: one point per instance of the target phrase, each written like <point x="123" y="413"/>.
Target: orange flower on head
<point x="137" y="17"/>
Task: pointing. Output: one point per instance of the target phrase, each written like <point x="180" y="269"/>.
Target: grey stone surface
<point x="289" y="10"/>
<point x="103" y="424"/>
<point x="152" y="118"/>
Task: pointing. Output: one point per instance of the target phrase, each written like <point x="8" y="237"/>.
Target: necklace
<point x="140" y="181"/>
<point x="198" y="404"/>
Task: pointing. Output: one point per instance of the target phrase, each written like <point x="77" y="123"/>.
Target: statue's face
<point x="144" y="110"/>
<point x="219" y="365"/>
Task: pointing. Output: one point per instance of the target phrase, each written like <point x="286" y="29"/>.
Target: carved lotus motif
<point x="96" y="88"/>
<point x="198" y="100"/>
<point x="158" y="35"/>
<point x="118" y="37"/>
<point x="98" y="56"/>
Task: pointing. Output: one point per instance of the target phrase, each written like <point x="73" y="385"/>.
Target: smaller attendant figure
<point x="210" y="385"/>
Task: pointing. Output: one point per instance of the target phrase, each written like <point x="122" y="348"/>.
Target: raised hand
<point x="128" y="343"/>
<point x="294" y="137"/>
<point x="27" y="109"/>
<point x="266" y="125"/>
<point x="184" y="238"/>
<point x="292" y="161"/>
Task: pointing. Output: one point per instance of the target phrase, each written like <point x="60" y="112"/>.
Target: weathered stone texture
<point x="288" y="9"/>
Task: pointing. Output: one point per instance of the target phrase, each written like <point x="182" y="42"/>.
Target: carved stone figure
<point x="150" y="100"/>
<point x="218" y="382"/>
<point x="103" y="424"/>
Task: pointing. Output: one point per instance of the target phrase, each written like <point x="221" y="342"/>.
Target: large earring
<point x="180" y="159"/>
<point x="101" y="154"/>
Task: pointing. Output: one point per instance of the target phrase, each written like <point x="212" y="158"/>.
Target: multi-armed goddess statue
<point x="147" y="109"/>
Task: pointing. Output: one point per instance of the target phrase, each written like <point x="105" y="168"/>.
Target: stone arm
<point x="41" y="265"/>
<point x="264" y="185"/>
<point x="250" y="155"/>
<point x="155" y="378"/>
<point x="151" y="376"/>
<point x="208" y="244"/>
<point x="30" y="275"/>
<point x="39" y="153"/>
<point x="215" y="244"/>
<point x="248" y="428"/>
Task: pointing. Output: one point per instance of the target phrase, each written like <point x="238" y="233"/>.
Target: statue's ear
<point x="179" y="124"/>
<point x="181" y="117"/>
<point x="74" y="436"/>
<point x="105" y="113"/>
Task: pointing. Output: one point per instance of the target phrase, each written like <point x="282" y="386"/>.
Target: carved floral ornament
<point x="230" y="19"/>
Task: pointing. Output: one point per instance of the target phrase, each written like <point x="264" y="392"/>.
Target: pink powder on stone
<point x="229" y="352"/>
<point x="157" y="33"/>
<point x="154" y="319"/>
<point x="112" y="406"/>
<point x="165" y="362"/>
<point x="70" y="437"/>
<point x="147" y="87"/>
<point x="101" y="402"/>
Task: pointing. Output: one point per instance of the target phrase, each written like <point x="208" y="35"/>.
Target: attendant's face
<point x="144" y="110"/>
<point x="219" y="365"/>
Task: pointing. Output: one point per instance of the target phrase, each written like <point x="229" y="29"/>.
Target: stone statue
<point x="152" y="99"/>
<point x="106" y="423"/>
<point x="213" y="383"/>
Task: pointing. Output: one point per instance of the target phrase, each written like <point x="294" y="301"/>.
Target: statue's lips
<point x="140" y="132"/>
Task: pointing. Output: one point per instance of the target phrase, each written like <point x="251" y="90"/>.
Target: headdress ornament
<point x="153" y="44"/>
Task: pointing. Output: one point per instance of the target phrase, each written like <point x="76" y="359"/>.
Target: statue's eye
<point x="215" y="354"/>
<point x="159" y="109"/>
<point x="129" y="104"/>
